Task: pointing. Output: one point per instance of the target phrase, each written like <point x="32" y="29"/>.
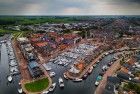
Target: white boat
<point x="52" y="74"/>
<point x="94" y="65"/>
<point x="106" y="53"/>
<point x="90" y="69"/>
<point x="65" y="76"/>
<point x="105" y="67"/>
<point x="85" y="75"/>
<point x="9" y="78"/>
<point x="45" y="92"/>
<point x="19" y="83"/>
<point x="96" y="83"/>
<point x="52" y="87"/>
<point x="77" y="80"/>
<point x="48" y="68"/>
<point x="61" y="82"/>
<point x="20" y="91"/>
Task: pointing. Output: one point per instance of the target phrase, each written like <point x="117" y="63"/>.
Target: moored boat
<point x="77" y="80"/>
<point x="10" y="78"/>
<point x="61" y="82"/>
<point x="52" y="87"/>
<point x="90" y="69"/>
<point x="65" y="76"/>
<point x="20" y="91"/>
<point x="45" y="92"/>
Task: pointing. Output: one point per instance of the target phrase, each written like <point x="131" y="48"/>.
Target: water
<point x="5" y="86"/>
<point x="85" y="87"/>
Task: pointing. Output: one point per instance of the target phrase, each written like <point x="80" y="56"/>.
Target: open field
<point x="38" y="85"/>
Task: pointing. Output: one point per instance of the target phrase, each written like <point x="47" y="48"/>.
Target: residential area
<point x="101" y="56"/>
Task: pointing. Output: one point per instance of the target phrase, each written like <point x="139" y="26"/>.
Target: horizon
<point x="70" y="7"/>
<point x="70" y="15"/>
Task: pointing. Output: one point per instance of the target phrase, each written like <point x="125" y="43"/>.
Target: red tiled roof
<point x="54" y="34"/>
<point x="34" y="39"/>
<point x="123" y="69"/>
<point x="69" y="36"/>
<point x="41" y="44"/>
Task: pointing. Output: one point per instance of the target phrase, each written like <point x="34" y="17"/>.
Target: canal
<point x="85" y="87"/>
<point x="5" y="86"/>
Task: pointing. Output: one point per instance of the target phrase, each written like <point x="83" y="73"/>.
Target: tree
<point x="132" y="86"/>
<point x="122" y="61"/>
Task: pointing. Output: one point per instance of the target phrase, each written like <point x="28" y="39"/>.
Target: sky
<point x="69" y="7"/>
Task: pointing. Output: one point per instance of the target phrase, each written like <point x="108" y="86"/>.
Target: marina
<point x="6" y="86"/>
<point x="13" y="65"/>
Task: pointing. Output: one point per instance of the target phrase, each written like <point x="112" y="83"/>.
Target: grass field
<point x="37" y="86"/>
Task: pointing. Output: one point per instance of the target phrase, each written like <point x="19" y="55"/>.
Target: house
<point x="112" y="84"/>
<point x="34" y="69"/>
<point x="127" y="77"/>
<point x="23" y="40"/>
<point x="109" y="88"/>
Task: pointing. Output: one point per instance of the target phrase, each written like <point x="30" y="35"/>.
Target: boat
<point x="52" y="87"/>
<point x="19" y="83"/>
<point x="94" y="65"/>
<point x="85" y="75"/>
<point x="61" y="82"/>
<point x="65" y="76"/>
<point x="106" y="53"/>
<point x="52" y="74"/>
<point x="45" y="92"/>
<point x="9" y="78"/>
<point x="98" y="61"/>
<point x="20" y="91"/>
<point x="96" y="83"/>
<point x="90" y="69"/>
<point x="105" y="67"/>
<point x="77" y="80"/>
<point x="98" y="79"/>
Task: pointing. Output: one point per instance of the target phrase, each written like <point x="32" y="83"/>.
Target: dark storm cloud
<point x="67" y="7"/>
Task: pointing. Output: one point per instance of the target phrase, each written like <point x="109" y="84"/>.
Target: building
<point x="34" y="69"/>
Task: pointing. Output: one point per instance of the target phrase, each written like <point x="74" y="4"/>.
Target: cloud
<point x="72" y="11"/>
<point x="69" y="7"/>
